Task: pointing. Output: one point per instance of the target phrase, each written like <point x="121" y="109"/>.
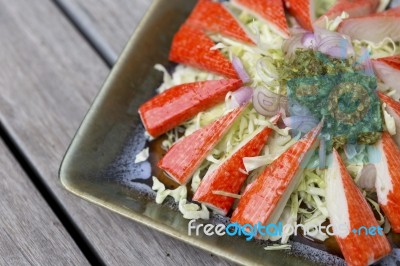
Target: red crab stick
<point x="302" y="11"/>
<point x="349" y="214"/>
<point x="393" y="61"/>
<point x="264" y="199"/>
<point x="185" y="156"/>
<point x="214" y="17"/>
<point x="393" y="108"/>
<point x="355" y="8"/>
<point x="178" y="104"/>
<point x="271" y="11"/>
<point x="388" y="70"/>
<point x="375" y="27"/>
<point x="230" y="175"/>
<point x="388" y="180"/>
<point x="191" y="46"/>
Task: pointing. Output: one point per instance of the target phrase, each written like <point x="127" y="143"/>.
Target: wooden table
<point x="54" y="57"/>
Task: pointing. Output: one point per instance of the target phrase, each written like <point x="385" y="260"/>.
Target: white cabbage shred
<point x="142" y="156"/>
<point x="389" y="121"/>
<point x="189" y="210"/>
<point x="278" y="247"/>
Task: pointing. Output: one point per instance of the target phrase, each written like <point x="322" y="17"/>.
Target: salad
<point x="285" y="111"/>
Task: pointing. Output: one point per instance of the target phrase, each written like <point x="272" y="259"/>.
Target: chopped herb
<point x="336" y="90"/>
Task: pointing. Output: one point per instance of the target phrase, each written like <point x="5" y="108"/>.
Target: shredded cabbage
<point x="276" y="145"/>
<point x="192" y="211"/>
<point x="387" y="47"/>
<point x="227" y="194"/>
<point x="333" y="24"/>
<point x="382" y="5"/>
<point x="278" y="247"/>
<point x="269" y="45"/>
<point x="142" y="156"/>
<point x="322" y="6"/>
<point x="182" y="74"/>
<point x="375" y="204"/>
<point x="389" y="121"/>
<point x="189" y="210"/>
<point x="251" y="163"/>
<point x="195" y="181"/>
<point x="311" y="192"/>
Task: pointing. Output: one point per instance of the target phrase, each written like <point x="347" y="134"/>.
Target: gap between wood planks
<point x="75" y="233"/>
<point x="84" y="26"/>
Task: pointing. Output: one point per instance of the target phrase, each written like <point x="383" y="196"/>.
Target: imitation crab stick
<point x="214" y="17"/>
<point x="388" y="70"/>
<point x="191" y="46"/>
<point x="178" y="104"/>
<point x="270" y="11"/>
<point x="392" y="61"/>
<point x="185" y="156"/>
<point x="302" y="11"/>
<point x="388" y="180"/>
<point x="375" y="27"/>
<point x="393" y="108"/>
<point x="352" y="218"/>
<point x="264" y="199"/>
<point x="230" y="174"/>
<point x="354" y="8"/>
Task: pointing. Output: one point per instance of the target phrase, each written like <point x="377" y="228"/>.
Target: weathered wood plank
<point x="30" y="233"/>
<point x="116" y="20"/>
<point x="49" y="77"/>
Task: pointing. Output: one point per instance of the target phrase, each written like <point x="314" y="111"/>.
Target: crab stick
<point x="388" y="180"/>
<point x="271" y="11"/>
<point x="264" y="200"/>
<point x="230" y="174"/>
<point x="375" y="27"/>
<point x="185" y="156"/>
<point x="388" y="70"/>
<point x="214" y="17"/>
<point x="393" y="108"/>
<point x="302" y="11"/>
<point x="180" y="103"/>
<point x="191" y="46"/>
<point x="354" y="8"/>
<point x="352" y="218"/>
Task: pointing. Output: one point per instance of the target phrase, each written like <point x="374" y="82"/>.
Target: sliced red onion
<point x="266" y="102"/>
<point x="366" y="63"/>
<point x="389" y="75"/>
<point x="310" y="40"/>
<point x="302" y="124"/>
<point x="242" y="96"/>
<point x="335" y="47"/>
<point x="293" y="43"/>
<point x="238" y="66"/>
<point x="322" y="153"/>
<point x="327" y="42"/>
<point x="350" y="150"/>
<point x="396" y="118"/>
<point x="367" y="177"/>
<point x="333" y="44"/>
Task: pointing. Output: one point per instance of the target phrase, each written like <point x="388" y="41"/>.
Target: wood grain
<point x="114" y="20"/>
<point x="30" y="233"/>
<point x="49" y="77"/>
